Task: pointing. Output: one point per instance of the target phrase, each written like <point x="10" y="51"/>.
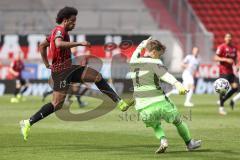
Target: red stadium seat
<point x="219" y="17"/>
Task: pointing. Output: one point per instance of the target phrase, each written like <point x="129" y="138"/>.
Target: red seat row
<point x="219" y="17"/>
<point x="214" y="1"/>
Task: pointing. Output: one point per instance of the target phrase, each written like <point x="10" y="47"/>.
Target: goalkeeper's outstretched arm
<point x="170" y="79"/>
<point x="165" y="76"/>
<point x="138" y="50"/>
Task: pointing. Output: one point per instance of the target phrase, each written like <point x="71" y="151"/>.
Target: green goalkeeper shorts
<point x="152" y="114"/>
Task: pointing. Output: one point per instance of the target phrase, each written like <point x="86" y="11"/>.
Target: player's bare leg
<point x="91" y="75"/>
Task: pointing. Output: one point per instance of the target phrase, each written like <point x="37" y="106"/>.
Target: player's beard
<point x="72" y="27"/>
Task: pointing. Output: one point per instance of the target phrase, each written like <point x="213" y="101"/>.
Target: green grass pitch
<point x="117" y="136"/>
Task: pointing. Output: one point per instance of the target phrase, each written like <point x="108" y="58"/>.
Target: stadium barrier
<point x="103" y="46"/>
<point x="38" y="87"/>
<point x="106" y="46"/>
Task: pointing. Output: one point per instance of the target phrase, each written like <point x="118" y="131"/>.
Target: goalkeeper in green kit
<point x="151" y="102"/>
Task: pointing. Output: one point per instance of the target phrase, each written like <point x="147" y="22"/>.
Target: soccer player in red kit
<point x="226" y="55"/>
<point x="77" y="89"/>
<point x="63" y="73"/>
<point x="16" y="68"/>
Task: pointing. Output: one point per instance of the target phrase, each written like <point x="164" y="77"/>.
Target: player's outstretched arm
<point x="63" y="44"/>
<point x="43" y="50"/>
<point x="141" y="46"/>
<point x="170" y="79"/>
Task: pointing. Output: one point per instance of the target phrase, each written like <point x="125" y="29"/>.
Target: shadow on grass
<point x="106" y="144"/>
<point x="141" y="151"/>
<point x="121" y="149"/>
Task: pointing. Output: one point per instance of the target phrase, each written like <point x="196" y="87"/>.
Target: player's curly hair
<point x="65" y="13"/>
<point x="156" y="45"/>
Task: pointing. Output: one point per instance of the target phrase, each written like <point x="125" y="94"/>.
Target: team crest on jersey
<point x="59" y="34"/>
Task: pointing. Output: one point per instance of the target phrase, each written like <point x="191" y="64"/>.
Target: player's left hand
<point x="181" y="89"/>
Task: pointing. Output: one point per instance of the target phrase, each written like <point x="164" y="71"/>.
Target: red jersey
<point x="18" y="66"/>
<point x="61" y="57"/>
<point x="226" y="51"/>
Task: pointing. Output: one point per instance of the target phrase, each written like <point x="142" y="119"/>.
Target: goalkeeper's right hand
<point x="181" y="89"/>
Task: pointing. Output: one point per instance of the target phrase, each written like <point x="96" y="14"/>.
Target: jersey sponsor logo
<point x="208" y="71"/>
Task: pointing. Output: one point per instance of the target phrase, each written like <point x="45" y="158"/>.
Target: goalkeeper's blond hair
<point x="156" y="45"/>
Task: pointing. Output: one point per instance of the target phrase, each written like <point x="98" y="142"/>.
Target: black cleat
<point x="232" y="104"/>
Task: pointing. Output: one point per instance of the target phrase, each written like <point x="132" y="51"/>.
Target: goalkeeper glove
<point x="143" y="44"/>
<point x="181" y="89"/>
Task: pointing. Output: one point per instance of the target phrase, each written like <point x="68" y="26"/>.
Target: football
<point x="221" y="86"/>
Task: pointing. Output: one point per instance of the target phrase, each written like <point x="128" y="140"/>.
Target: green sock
<point x="183" y="131"/>
<point x="159" y="133"/>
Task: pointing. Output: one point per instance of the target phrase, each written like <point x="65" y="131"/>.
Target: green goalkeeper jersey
<point x="145" y="73"/>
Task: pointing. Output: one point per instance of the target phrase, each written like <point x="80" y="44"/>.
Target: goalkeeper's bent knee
<point x="177" y="121"/>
